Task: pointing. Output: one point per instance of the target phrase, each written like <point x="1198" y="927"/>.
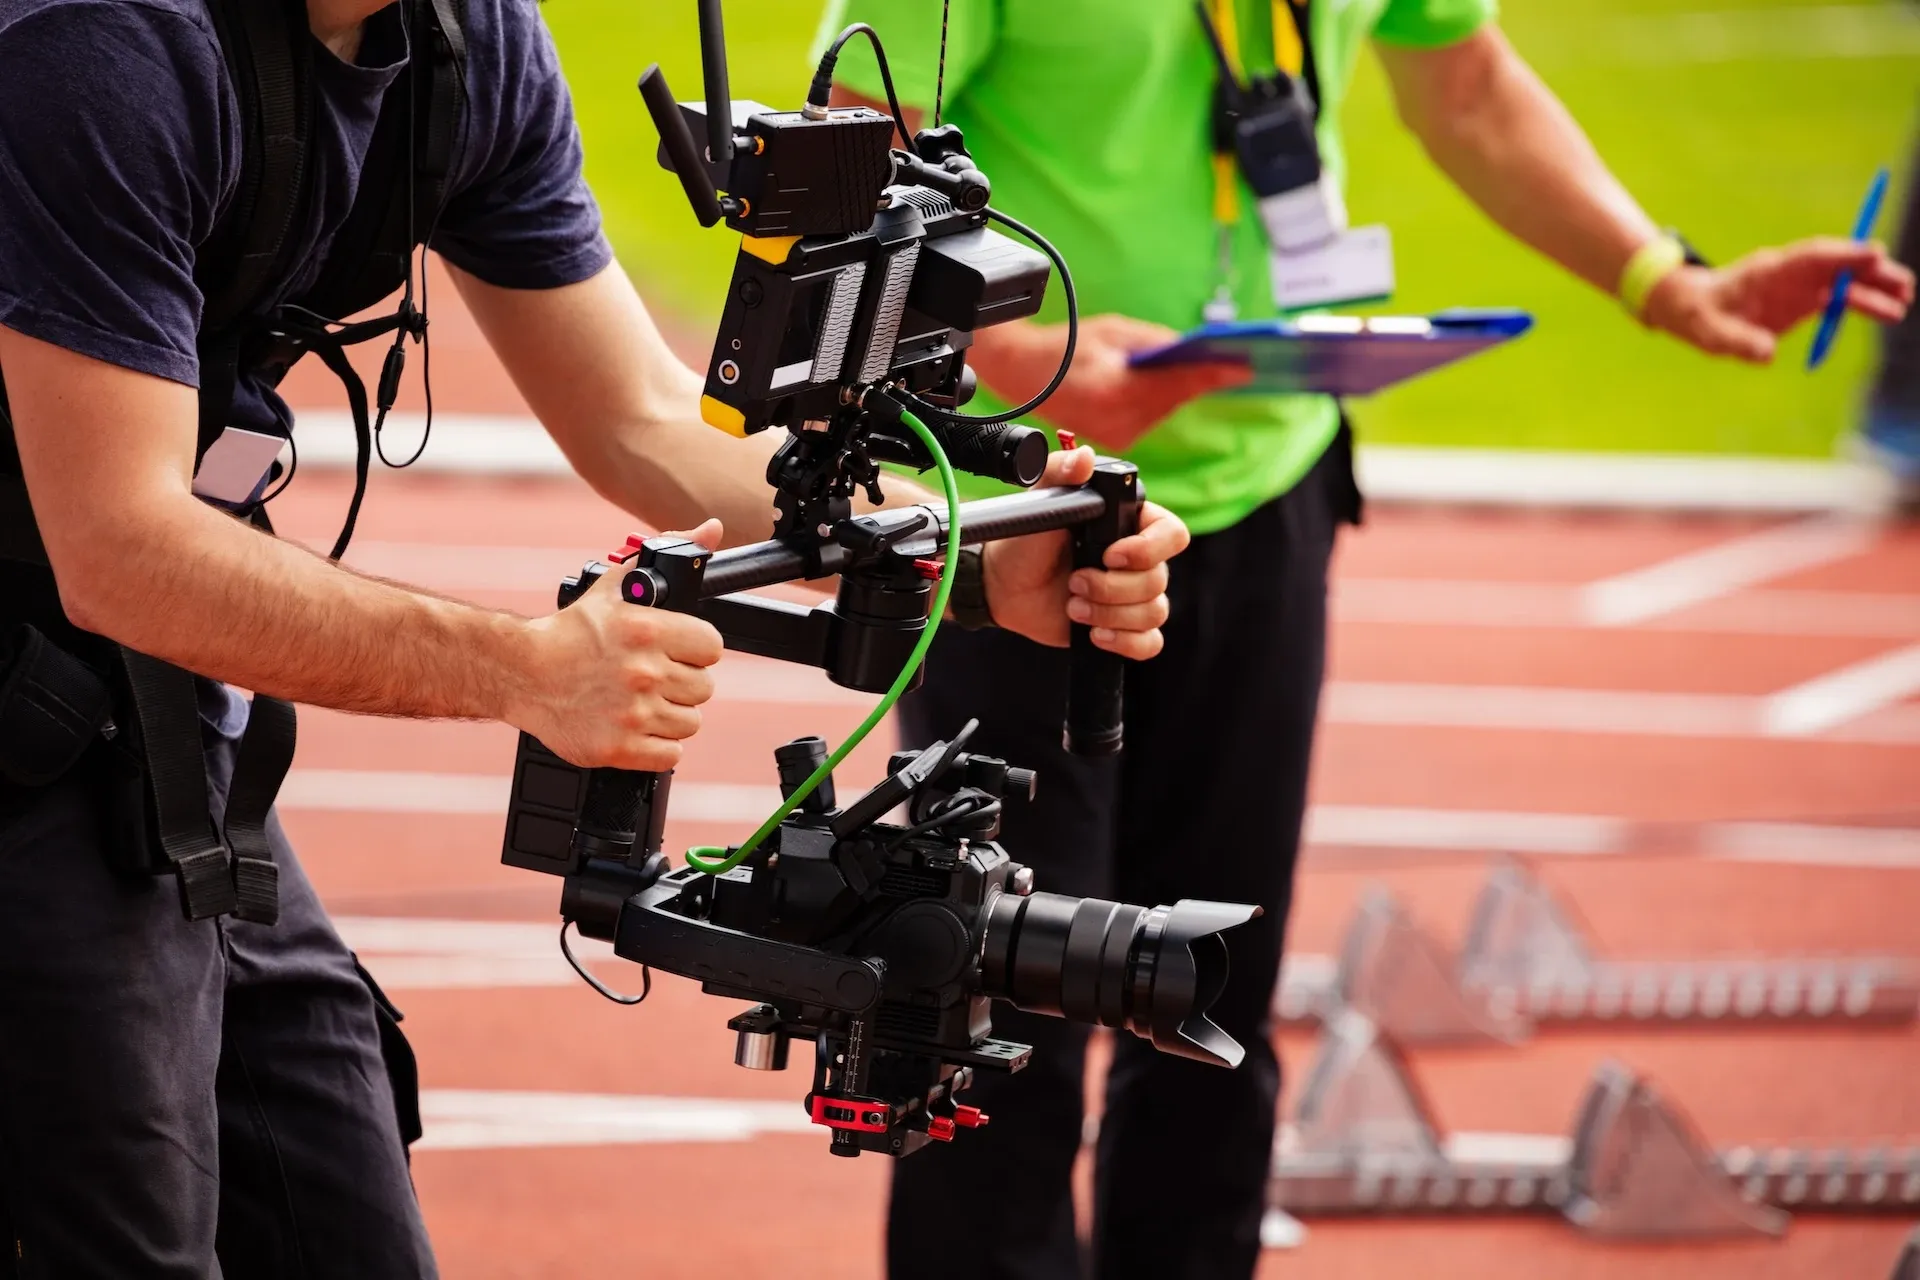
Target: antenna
<point x="677" y="138"/>
<point x="713" y="64"/>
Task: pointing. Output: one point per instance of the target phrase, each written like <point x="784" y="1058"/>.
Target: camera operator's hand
<point x="616" y="685"/>
<point x="1741" y="309"/>
<point x="1033" y="588"/>
<point x="1103" y="398"/>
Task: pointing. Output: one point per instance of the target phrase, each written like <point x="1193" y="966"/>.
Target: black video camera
<point x="882" y="944"/>
<point x="860" y="264"/>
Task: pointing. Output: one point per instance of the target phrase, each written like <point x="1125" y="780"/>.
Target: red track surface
<point x="778" y="1205"/>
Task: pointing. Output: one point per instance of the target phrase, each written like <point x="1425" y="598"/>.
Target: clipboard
<point x="1340" y="355"/>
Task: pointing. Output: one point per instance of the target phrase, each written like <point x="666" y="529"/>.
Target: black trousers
<point x="1206" y="803"/>
<point x="184" y="1099"/>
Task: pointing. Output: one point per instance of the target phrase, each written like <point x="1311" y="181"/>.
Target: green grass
<point x="1743" y="127"/>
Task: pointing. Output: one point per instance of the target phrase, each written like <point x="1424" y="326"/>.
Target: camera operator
<point x="187" y="1088"/>
<point x="1098" y="121"/>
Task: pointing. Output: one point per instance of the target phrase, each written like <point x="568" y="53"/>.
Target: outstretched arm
<point x="1504" y="138"/>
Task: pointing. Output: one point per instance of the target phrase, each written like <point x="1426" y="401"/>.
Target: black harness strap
<point x="266" y="753"/>
<point x="19" y="535"/>
<point x="165" y="701"/>
<point x="404" y="184"/>
<point x="269" y="58"/>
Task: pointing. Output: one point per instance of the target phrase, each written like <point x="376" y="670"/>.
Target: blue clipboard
<point x="1340" y="355"/>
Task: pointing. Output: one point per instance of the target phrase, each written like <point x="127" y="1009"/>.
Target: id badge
<point x="1306" y="218"/>
<point x="232" y="468"/>
<point x="1355" y="266"/>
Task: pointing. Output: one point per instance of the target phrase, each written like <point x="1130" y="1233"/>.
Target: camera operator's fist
<point x="1033" y="588"/>
<point x="615" y="685"/>
<point x="1103" y="398"/>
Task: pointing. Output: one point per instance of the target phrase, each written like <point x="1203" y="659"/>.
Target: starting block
<point x="1363" y="1141"/>
<point x="1526" y="963"/>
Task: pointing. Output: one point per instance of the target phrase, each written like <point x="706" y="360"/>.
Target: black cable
<point x="954" y="809"/>
<point x="293" y="466"/>
<point x="423" y="334"/>
<point x="940" y="68"/>
<point x="1066" y="358"/>
<point x="646" y="974"/>
<point x="820" y="92"/>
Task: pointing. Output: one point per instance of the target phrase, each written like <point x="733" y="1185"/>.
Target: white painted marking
<point x="480" y="1119"/>
<point x="1804" y="845"/>
<point x="1614" y="482"/>
<point x="1824" y="704"/>
<point x="1540" y="708"/>
<point x="1469" y="603"/>
<point x="508" y="445"/>
<point x="1374" y="826"/>
<point x="1720" y="570"/>
<point x="390" y="791"/>
<point x="431" y="953"/>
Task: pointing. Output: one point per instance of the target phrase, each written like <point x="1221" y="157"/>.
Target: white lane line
<point x="1380" y="827"/>
<point x="1390" y="601"/>
<point x="396" y="791"/>
<point x="483" y="1119"/>
<point x="1813" y="846"/>
<point x="1825" y="704"/>
<point x="1711" y="572"/>
<point x="508" y="445"/>
<point x="1524" y="707"/>
<point x="478" y="1119"/>
<point x="1339" y="826"/>
<point x="410" y="954"/>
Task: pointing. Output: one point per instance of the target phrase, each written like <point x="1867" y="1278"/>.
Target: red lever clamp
<point x="629" y="552"/>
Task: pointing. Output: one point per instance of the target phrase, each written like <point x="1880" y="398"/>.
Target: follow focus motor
<point x="863" y="273"/>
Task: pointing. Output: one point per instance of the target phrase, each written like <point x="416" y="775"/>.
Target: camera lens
<point x="1153" y="970"/>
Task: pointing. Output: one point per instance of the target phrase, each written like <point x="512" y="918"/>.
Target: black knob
<point x="797" y="761"/>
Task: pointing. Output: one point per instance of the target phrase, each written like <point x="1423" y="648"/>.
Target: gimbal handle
<point x="620" y="813"/>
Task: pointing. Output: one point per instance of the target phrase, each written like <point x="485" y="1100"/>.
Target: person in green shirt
<point x="1093" y="119"/>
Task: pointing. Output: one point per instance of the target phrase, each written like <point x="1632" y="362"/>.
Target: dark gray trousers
<point x="1206" y="803"/>
<point x="180" y="1099"/>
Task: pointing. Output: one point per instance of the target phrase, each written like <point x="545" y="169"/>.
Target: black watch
<point x="968" y="600"/>
<point x="1693" y="258"/>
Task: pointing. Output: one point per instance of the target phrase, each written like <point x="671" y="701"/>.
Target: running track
<point x="1707" y="731"/>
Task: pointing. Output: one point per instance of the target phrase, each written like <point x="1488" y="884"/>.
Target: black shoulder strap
<point x="393" y="214"/>
<point x="270" y="62"/>
<point x="269" y="59"/>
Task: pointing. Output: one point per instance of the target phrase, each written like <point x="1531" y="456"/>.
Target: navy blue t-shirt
<point x="120" y="146"/>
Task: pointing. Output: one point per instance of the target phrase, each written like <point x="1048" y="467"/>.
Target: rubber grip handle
<point x="1096" y="679"/>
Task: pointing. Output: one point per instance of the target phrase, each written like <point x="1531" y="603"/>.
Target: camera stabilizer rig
<point x="880" y="944"/>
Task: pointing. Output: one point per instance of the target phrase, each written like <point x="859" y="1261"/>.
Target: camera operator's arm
<point x="600" y="378"/>
<point x="108" y="458"/>
<point x="1509" y="143"/>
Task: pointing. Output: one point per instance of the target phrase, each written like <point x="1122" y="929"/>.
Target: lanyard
<point x="1293" y="54"/>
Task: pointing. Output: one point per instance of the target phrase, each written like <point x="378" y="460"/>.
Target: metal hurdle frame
<point x="1364" y="1142"/>
<point x="1527" y="964"/>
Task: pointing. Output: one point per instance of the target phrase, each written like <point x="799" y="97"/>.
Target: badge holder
<point x="1264" y="126"/>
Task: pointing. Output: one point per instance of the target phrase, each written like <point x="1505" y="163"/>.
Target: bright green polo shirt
<point x="1091" y="118"/>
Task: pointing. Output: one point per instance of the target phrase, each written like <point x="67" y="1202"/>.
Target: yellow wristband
<point x="1651" y="263"/>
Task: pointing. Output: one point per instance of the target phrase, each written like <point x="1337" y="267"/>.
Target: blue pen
<point x="1837" y="305"/>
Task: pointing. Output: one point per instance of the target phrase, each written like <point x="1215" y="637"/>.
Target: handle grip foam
<point x="1096" y="679"/>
